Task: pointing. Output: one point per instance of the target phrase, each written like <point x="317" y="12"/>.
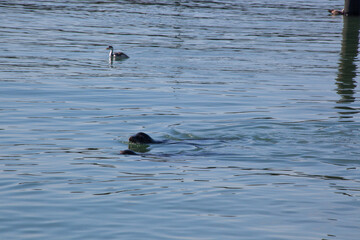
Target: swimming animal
<point x="335" y="12"/>
<point x="117" y="55"/>
<point x="139" y="143"/>
<point x="142" y="138"/>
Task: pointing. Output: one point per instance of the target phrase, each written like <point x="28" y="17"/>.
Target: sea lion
<point x="142" y="138"/>
<point x="139" y="144"/>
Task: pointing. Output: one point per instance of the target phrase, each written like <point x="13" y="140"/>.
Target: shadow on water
<point x="345" y="80"/>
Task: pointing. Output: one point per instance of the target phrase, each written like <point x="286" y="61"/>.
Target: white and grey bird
<point x="116" y="55"/>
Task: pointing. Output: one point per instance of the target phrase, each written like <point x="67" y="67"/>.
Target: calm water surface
<point x="261" y="114"/>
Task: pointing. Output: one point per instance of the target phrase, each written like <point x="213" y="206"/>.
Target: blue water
<point x="258" y="102"/>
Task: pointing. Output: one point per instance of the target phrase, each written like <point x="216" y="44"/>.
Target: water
<point x="263" y="114"/>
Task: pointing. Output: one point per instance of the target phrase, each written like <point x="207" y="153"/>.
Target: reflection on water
<point x="347" y="66"/>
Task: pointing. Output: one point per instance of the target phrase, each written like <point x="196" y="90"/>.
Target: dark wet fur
<point x="142" y="138"/>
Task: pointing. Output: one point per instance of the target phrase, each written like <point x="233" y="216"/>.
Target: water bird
<point x="336" y="12"/>
<point x="116" y="55"/>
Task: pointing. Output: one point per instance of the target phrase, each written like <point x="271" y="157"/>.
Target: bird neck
<point x="111" y="52"/>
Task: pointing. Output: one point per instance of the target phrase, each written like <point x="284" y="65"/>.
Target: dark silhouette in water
<point x="142" y="138"/>
<point x="138" y="143"/>
<point x="128" y="152"/>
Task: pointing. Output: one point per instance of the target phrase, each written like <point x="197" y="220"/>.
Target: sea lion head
<point x="141" y="138"/>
